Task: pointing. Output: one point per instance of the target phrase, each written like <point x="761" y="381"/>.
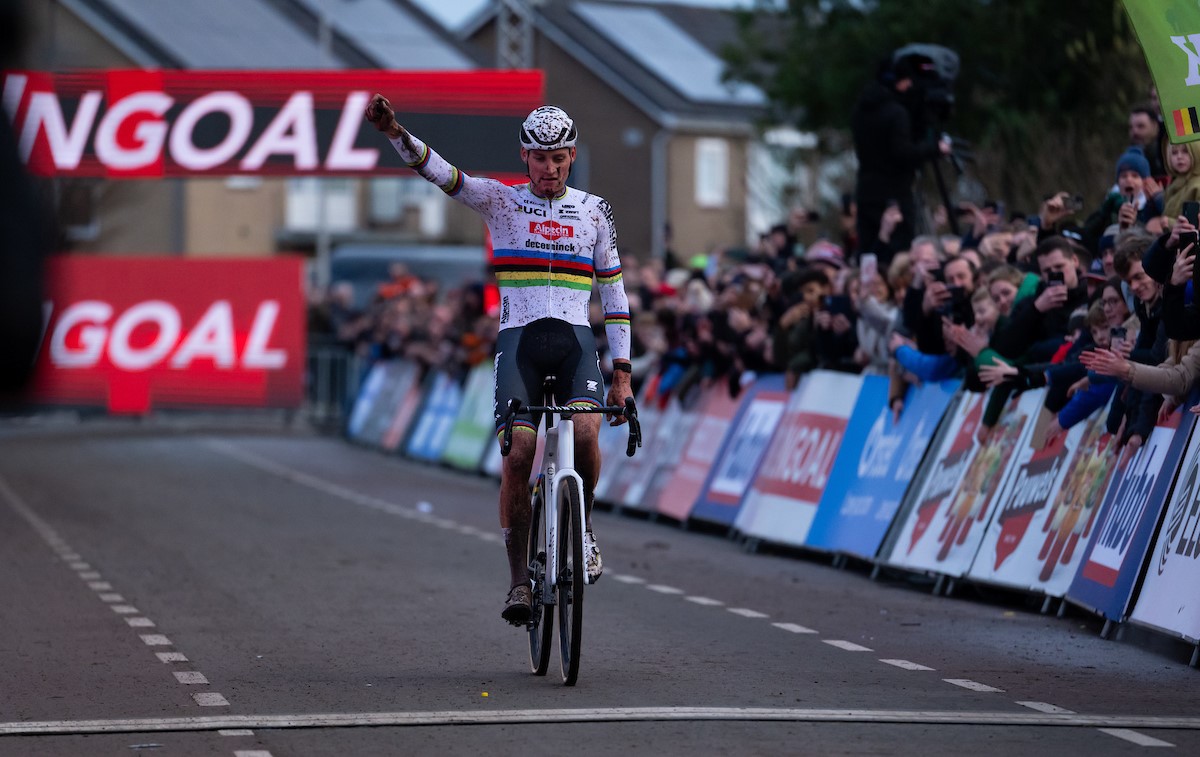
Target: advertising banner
<point x="673" y="430"/>
<point x="628" y="476"/>
<point x="167" y="123"/>
<point x="798" y="465"/>
<point x="475" y="426"/>
<point x="1113" y="561"/>
<point x="762" y="406"/>
<point x="1047" y="508"/>
<point x="436" y="418"/>
<point x="880" y="458"/>
<point x="384" y="393"/>
<point x="942" y="530"/>
<point x="1169" y="600"/>
<point x="715" y="412"/>
<point x="133" y="334"/>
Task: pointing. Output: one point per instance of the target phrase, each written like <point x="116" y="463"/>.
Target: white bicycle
<point x="556" y="561"/>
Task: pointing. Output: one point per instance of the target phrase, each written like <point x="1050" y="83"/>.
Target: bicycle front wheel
<point x="541" y="619"/>
<point x="572" y="573"/>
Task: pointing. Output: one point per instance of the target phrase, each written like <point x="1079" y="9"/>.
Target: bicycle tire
<point x="541" y="618"/>
<point x="572" y="574"/>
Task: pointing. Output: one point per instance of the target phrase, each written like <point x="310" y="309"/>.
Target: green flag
<point x="1169" y="33"/>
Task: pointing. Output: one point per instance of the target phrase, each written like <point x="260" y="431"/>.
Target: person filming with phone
<point x="1039" y="323"/>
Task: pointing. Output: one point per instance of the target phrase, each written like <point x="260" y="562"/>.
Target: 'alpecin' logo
<point x="551" y="229"/>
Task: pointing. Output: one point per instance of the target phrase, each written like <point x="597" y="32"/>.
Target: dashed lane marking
<point x="793" y="628"/>
<point x="848" y="646"/>
<point x="171" y="656"/>
<point x="124" y="609"/>
<point x="662" y="589"/>
<point x="973" y="685"/>
<point x="210" y="699"/>
<point x="190" y="678"/>
<point x="1046" y="707"/>
<point x="906" y="665"/>
<point x="251" y="753"/>
<point x="236" y="732"/>
<point x="140" y="622"/>
<point x="584" y="715"/>
<point x="1133" y="737"/>
<point x="747" y="613"/>
<point x="705" y="601"/>
<point x="155" y="640"/>
<point x="632" y="580"/>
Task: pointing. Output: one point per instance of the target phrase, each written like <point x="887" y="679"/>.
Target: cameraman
<point x="888" y="151"/>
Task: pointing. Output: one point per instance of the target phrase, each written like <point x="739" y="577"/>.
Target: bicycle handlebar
<point x="629" y="412"/>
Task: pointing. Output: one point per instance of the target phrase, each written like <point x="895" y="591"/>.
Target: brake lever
<point x="514" y="407"/>
<point x="635" y="427"/>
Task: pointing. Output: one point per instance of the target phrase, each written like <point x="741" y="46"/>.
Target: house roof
<point x="274" y="34"/>
<point x="663" y="58"/>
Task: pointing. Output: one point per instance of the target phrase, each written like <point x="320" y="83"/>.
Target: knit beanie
<point x="1133" y="159"/>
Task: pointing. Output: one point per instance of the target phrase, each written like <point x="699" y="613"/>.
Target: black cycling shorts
<point x="525" y="355"/>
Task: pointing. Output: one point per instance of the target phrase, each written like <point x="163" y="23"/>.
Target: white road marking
<point x="494" y="538"/>
<point x="1133" y="737"/>
<point x="614" y="714"/>
<point x="124" y="609"/>
<point x="662" y="589"/>
<point x="793" y="628"/>
<point x="906" y="665"/>
<point x="1047" y="708"/>
<point x="100" y="586"/>
<point x="111" y="598"/>
<point x="848" y="646"/>
<point x="705" y="601"/>
<point x="745" y="613"/>
<point x="91" y="575"/>
<point x="210" y="699"/>
<point x="140" y="622"/>
<point x="629" y="579"/>
<point x="236" y="732"/>
<point x="190" y="678"/>
<point x="155" y="640"/>
<point x="973" y="685"/>
<point x="171" y="657"/>
<point x="251" y="753"/>
<point x="79" y="566"/>
<point x="71" y="556"/>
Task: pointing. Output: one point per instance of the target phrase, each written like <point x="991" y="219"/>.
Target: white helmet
<point x="548" y="128"/>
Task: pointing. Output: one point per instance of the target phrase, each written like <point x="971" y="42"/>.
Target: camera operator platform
<point x="894" y="137"/>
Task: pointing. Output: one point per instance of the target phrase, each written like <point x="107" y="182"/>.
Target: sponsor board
<point x="761" y="408"/>
<point x="436" y="418"/>
<point x="799" y="460"/>
<point x="156" y="123"/>
<point x="133" y="334"/>
<point x="1046" y="511"/>
<point x="390" y="386"/>
<point x="1168" y="600"/>
<point x="715" y="413"/>
<point x="881" y="458"/>
<point x="1114" y="558"/>
<point x="475" y="425"/>
<point x="942" y="530"/>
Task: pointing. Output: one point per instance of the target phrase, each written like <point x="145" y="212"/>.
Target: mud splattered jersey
<point x="546" y="252"/>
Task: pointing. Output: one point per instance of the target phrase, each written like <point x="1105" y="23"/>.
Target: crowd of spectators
<point x="1092" y="305"/>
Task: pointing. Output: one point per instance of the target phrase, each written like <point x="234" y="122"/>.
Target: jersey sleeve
<point x="612" y="289"/>
<point x="481" y="195"/>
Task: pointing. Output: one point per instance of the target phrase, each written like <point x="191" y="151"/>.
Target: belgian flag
<point x="1186" y="122"/>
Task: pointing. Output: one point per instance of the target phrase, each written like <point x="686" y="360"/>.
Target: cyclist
<point x="549" y="241"/>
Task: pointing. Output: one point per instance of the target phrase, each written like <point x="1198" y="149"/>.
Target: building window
<point x="303" y="209"/>
<point x="712" y="173"/>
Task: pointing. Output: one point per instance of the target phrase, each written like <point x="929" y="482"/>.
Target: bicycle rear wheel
<point x="571" y="576"/>
<point x="541" y="619"/>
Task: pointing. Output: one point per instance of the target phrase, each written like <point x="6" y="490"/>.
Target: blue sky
<point x="454" y="12"/>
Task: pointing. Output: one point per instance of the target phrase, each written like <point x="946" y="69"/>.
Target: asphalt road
<point x="174" y="588"/>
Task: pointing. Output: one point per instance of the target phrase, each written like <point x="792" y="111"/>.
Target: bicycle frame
<point x="557" y="470"/>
